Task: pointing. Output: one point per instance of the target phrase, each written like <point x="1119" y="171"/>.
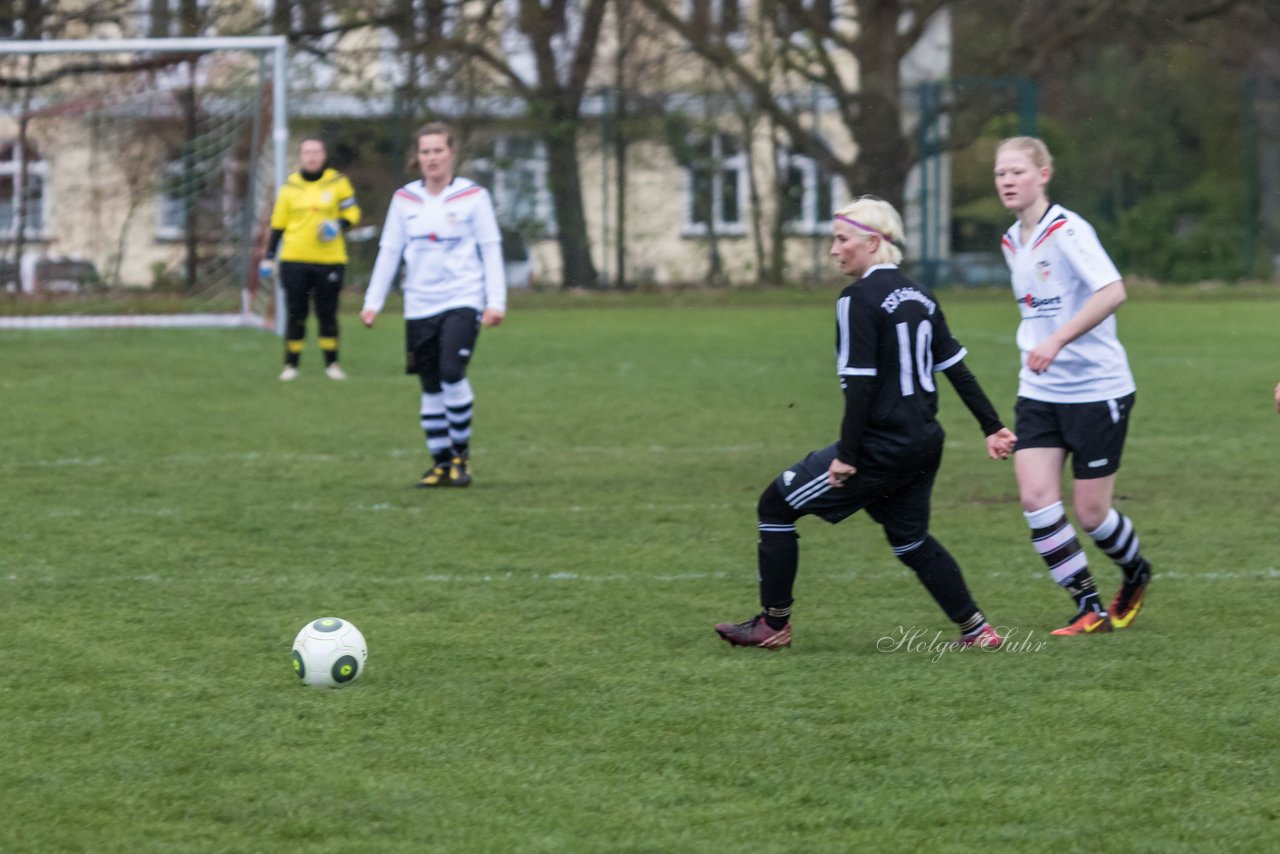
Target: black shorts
<point x="899" y="501"/>
<point x="1093" y="433"/>
<point x="439" y="347"/>
<point x="301" y="280"/>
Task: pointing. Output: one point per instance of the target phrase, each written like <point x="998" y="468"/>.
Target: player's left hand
<point x="839" y="472"/>
<point x="1042" y="355"/>
<point x="492" y="317"/>
<point x="329" y="229"/>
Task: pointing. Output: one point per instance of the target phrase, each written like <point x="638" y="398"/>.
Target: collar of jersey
<point x="422" y="182"/>
<point x="1050" y="214"/>
<point x="874" y="267"/>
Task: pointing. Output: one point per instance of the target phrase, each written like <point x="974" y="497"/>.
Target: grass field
<point x="542" y="672"/>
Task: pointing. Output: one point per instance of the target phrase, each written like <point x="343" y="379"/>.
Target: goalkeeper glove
<point x="329" y="229"/>
<point x="266" y="269"/>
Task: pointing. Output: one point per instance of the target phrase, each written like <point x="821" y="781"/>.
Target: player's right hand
<point x="367" y="316"/>
<point x="838" y="472"/>
<point x="1001" y="444"/>
<point x="266" y="269"/>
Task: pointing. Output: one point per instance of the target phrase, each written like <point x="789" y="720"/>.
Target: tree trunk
<point x="883" y="159"/>
<point x="565" y="179"/>
<point x="754" y="195"/>
<point x="620" y="157"/>
<point x="777" y="228"/>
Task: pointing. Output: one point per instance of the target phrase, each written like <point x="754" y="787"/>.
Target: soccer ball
<point x="329" y="653"/>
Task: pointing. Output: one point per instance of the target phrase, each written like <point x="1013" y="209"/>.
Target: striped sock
<point x="973" y="625"/>
<point x="458" y="401"/>
<point x="1118" y="540"/>
<point x="777" y="618"/>
<point x="1055" y="540"/>
<point x="434" y="426"/>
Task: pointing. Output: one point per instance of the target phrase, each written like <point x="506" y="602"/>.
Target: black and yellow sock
<point x="329" y="346"/>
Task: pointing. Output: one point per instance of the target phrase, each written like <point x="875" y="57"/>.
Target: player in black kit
<point x="891" y="337"/>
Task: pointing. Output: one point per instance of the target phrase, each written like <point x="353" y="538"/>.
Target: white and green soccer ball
<point x="329" y="653"/>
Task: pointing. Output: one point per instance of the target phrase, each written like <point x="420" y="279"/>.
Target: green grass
<point x="542" y="672"/>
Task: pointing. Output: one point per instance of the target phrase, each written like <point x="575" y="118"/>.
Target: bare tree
<point x="815" y="46"/>
<point x="540" y="55"/>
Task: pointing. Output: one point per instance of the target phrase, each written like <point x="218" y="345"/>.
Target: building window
<point x="811" y="195"/>
<point x="514" y="169"/>
<point x="172" y="18"/>
<point x="812" y="15"/>
<point x="26" y="22"/>
<point x="14" y="186"/>
<point x="715" y="185"/>
<point x="292" y="16"/>
<point x="204" y="190"/>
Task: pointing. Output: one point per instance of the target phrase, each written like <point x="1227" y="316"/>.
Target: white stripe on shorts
<point x="809" y="491"/>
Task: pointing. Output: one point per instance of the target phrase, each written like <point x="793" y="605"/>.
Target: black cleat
<point x="436" y="476"/>
<point x="460" y="471"/>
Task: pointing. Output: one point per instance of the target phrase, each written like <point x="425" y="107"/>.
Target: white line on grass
<point x="1269" y="574"/>
<point x="254" y="456"/>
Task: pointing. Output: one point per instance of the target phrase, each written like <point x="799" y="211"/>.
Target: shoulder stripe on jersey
<point x="462" y="194"/>
<point x="842" y="332"/>
<point x="1008" y="244"/>
<point x="405" y="194"/>
<point x="348" y="202"/>
<point x="1057" y="223"/>
<point x="949" y="362"/>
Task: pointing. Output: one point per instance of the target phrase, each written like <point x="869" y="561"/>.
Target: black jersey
<point x="891" y="337"/>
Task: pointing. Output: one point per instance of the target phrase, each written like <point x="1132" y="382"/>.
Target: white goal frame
<point x="274" y="47"/>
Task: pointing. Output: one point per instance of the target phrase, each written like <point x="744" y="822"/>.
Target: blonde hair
<point x="873" y="215"/>
<point x="1031" y="146"/>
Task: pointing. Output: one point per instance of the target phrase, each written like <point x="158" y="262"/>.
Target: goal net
<point x="136" y="181"/>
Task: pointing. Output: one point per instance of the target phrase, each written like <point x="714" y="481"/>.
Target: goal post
<point x="136" y="180"/>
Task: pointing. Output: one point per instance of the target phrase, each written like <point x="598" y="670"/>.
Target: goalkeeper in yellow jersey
<point x="314" y="209"/>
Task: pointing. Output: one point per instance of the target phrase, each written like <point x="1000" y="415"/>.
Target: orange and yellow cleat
<point x="1089" y="623"/>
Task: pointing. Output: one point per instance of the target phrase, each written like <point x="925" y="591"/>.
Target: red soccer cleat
<point x="755" y="632"/>
<point x="983" y="638"/>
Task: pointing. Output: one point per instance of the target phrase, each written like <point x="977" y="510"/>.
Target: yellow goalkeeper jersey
<point x="303" y="206"/>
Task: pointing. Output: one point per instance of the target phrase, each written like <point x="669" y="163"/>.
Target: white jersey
<point x="1053" y="275"/>
<point x="451" y="248"/>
